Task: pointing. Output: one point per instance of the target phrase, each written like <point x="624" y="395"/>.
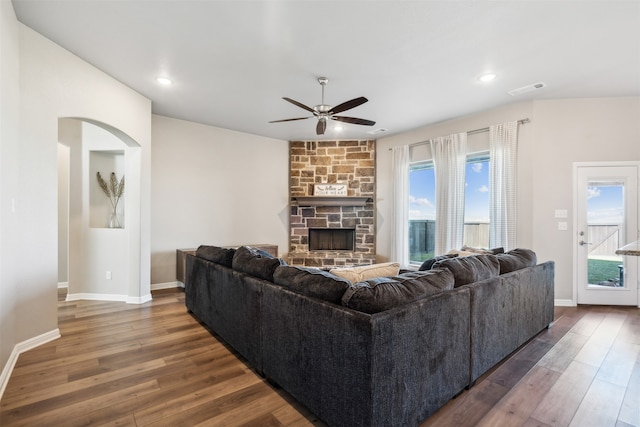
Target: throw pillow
<point x="483" y="251"/>
<point x="461" y="253"/>
<point x="312" y="282"/>
<point x="471" y="269"/>
<point x="516" y="259"/>
<point x="383" y="293"/>
<point x="222" y="256"/>
<point x="364" y="272"/>
<point x="429" y="263"/>
<point x="255" y="262"/>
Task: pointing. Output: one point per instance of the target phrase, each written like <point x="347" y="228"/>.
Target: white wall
<point x="57" y="84"/>
<point x="214" y="186"/>
<point x="567" y="131"/>
<point x="63" y="213"/>
<point x="561" y="132"/>
<point x="42" y="82"/>
<point x="95" y="249"/>
<point x="9" y="177"/>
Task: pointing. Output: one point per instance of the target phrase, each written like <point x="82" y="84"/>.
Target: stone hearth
<point x="332" y="162"/>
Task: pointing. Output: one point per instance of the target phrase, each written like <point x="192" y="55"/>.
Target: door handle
<point x="582" y="243"/>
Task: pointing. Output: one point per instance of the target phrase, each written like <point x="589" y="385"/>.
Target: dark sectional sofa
<point x="382" y="352"/>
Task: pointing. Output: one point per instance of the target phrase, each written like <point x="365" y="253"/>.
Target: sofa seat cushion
<point x="365" y="272"/>
<point x="255" y="262"/>
<point x="312" y="282"/>
<point x="516" y="259"/>
<point x="383" y="293"/>
<point x="471" y="269"/>
<point x="222" y="256"/>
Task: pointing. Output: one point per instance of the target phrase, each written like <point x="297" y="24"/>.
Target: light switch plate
<point x="563" y="226"/>
<point x="561" y="213"/>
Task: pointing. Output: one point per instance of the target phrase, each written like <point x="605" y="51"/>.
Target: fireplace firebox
<point x="332" y="239"/>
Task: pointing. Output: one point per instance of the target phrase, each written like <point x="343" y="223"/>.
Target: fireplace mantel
<point x="331" y="200"/>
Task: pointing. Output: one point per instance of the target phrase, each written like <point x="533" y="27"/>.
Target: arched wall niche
<point x="103" y="263"/>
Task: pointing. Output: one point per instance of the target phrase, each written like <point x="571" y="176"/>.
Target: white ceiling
<point x="416" y="61"/>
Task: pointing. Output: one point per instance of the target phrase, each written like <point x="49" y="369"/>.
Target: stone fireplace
<point x="325" y="230"/>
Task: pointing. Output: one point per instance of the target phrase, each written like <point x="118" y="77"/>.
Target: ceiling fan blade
<point x="294" y="102"/>
<point x="321" y="126"/>
<point x="290" y="120"/>
<point x="353" y="120"/>
<point x="348" y="105"/>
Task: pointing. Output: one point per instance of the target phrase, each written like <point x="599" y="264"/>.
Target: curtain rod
<point x="471" y="132"/>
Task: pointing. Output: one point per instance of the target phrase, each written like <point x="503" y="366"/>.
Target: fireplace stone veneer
<point x="345" y="162"/>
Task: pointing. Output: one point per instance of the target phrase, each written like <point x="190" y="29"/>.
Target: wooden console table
<point x="181" y="256"/>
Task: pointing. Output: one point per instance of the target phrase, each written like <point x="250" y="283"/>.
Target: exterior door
<point x="607" y="219"/>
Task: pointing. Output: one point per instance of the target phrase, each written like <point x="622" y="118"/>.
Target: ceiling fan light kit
<point x="323" y="112"/>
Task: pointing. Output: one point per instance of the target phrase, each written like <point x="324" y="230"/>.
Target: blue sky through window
<point x="605" y="204"/>
<point x="422" y="193"/>
<point x="476" y="192"/>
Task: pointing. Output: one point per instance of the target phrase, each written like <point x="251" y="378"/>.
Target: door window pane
<point x="605" y="227"/>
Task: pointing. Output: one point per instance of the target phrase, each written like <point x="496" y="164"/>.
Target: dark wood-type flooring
<point x="118" y="364"/>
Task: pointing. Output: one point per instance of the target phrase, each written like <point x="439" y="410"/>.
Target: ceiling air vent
<point x="375" y="131"/>
<point x="525" y="89"/>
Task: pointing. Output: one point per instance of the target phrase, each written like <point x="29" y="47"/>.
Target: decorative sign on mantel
<point x="330" y="190"/>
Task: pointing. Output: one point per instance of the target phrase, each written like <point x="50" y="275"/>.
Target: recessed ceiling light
<point x="337" y="128"/>
<point x="164" y="81"/>
<point x="485" y="78"/>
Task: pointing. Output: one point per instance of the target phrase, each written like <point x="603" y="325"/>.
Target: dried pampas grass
<point x="113" y="190"/>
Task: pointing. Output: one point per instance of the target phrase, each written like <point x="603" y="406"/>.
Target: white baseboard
<point x="139" y="300"/>
<point x="564" y="303"/>
<point x="63" y="284"/>
<point x="109" y="297"/>
<point x="166" y="285"/>
<point x="97" y="297"/>
<point x="21" y="347"/>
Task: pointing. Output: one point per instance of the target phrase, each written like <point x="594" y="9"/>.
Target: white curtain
<point x="449" y="159"/>
<point x="400" y="233"/>
<point x="502" y="185"/>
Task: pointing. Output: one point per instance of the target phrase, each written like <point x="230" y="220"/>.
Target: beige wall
<point x="567" y="131"/>
<point x="41" y="82"/>
<point x="561" y="132"/>
<point x="9" y="175"/>
<point x="214" y="186"/>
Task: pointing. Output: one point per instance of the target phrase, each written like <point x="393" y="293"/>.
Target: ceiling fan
<point x="324" y="112"/>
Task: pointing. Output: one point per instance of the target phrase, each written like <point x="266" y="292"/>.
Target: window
<point x="476" y="202"/>
<point x="422" y="207"/>
<point x="422" y="211"/>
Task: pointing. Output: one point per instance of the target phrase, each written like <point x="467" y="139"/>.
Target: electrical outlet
<point x="108" y="275"/>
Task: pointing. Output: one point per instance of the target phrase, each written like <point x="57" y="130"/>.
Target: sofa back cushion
<point x="516" y="259"/>
<point x="312" y="282"/>
<point x="222" y="256"/>
<point x="364" y="272"/>
<point x="428" y="264"/>
<point x="471" y="268"/>
<point x="255" y="263"/>
<point x="382" y="293"/>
